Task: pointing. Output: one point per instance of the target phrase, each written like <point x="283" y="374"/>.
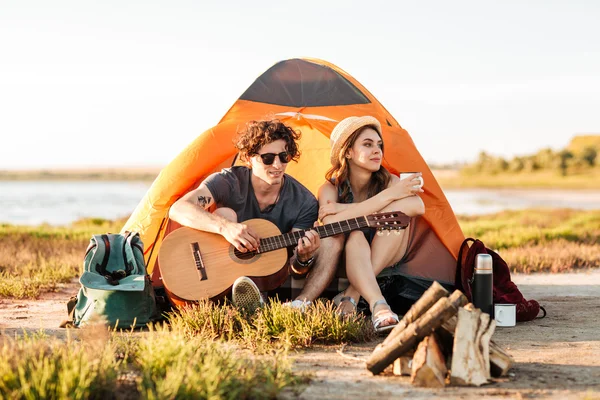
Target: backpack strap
<point x="101" y="268"/>
<point x="460" y="262"/>
<point x="132" y="241"/>
<point x="128" y="259"/>
<point x="70" y="321"/>
<point x="111" y="277"/>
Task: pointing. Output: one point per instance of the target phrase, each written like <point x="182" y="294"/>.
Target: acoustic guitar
<point x="198" y="265"/>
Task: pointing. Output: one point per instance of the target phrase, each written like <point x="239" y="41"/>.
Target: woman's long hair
<point x="340" y="172"/>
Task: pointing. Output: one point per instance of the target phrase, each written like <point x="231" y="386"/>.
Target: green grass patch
<point x="205" y="352"/>
<point x="160" y="364"/>
<point x="274" y="326"/>
<point x="45" y="368"/>
<point x="174" y="365"/>
<point x="512" y="229"/>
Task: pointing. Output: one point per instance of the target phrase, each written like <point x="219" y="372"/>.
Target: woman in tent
<point x="356" y="185"/>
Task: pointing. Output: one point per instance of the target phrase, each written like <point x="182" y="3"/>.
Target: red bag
<point x="505" y="290"/>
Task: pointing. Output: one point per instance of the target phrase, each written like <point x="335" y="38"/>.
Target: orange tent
<point x="311" y="96"/>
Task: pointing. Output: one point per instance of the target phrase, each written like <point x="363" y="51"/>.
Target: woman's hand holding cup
<point x="413" y="180"/>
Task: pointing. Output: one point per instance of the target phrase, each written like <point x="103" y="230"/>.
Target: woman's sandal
<point x="339" y="299"/>
<point x="382" y="316"/>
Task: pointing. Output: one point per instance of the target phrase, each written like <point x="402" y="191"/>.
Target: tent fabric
<point x="312" y="96"/>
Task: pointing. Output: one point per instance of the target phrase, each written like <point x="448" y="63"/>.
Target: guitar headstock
<point x="388" y="221"/>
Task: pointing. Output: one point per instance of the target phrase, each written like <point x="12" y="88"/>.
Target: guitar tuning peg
<point x="388" y="232"/>
<point x="379" y="232"/>
<point x="397" y="232"/>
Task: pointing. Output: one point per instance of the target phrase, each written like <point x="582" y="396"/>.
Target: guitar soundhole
<point x="244" y="256"/>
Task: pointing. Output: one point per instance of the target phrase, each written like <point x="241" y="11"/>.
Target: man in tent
<point x="259" y="189"/>
<point x="312" y="96"/>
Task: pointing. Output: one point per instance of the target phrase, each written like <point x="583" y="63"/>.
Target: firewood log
<point x="433" y="318"/>
<point x="471" y="341"/>
<point x="429" y="365"/>
<point x="403" y="366"/>
<point x="500" y="360"/>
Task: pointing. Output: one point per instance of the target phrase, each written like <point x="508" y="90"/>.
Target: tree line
<point x="580" y="156"/>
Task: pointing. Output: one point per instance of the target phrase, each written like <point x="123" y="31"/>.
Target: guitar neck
<point x="291" y="239"/>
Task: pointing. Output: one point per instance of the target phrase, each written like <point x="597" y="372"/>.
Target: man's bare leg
<point x="326" y="262"/>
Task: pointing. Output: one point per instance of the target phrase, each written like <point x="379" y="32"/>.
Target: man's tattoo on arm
<point x="204" y="201"/>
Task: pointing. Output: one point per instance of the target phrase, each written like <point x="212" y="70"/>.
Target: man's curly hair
<point x="260" y="133"/>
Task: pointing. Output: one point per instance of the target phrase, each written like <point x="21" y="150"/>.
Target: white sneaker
<point x="301" y="305"/>
<point x="245" y="294"/>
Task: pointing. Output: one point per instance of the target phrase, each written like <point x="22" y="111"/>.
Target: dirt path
<point x="556" y="357"/>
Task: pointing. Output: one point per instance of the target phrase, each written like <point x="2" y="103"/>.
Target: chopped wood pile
<point x="442" y="340"/>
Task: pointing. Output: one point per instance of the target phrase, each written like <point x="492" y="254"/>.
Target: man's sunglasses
<point x="269" y="158"/>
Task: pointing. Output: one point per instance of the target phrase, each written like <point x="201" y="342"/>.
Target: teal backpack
<point x="115" y="288"/>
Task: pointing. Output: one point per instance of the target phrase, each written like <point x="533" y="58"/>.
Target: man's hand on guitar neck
<point x="241" y="236"/>
<point x="308" y="245"/>
<point x="305" y="251"/>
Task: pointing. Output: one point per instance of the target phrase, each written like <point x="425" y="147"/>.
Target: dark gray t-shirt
<point x="297" y="207"/>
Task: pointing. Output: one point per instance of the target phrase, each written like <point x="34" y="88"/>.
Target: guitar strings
<point x="279" y="242"/>
<point x="224" y="252"/>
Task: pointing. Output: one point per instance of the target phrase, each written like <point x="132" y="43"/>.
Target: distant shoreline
<point x="87" y="174"/>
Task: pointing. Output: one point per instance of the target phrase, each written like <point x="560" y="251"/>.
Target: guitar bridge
<point x="198" y="260"/>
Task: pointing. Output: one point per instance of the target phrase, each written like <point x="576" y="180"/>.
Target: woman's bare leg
<point x="388" y="250"/>
<point x="360" y="274"/>
<point x="359" y="269"/>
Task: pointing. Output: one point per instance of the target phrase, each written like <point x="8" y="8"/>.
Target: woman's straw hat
<point x="347" y="127"/>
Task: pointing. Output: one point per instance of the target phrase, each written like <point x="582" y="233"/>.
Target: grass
<point x="170" y="364"/>
<point x="525" y="180"/>
<point x="540" y="240"/>
<point x="205" y="352"/>
<point x="163" y="364"/>
<point x="37" y="259"/>
<point x="272" y="327"/>
<point x="37" y="367"/>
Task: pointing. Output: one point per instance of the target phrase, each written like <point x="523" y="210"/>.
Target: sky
<point x="131" y="83"/>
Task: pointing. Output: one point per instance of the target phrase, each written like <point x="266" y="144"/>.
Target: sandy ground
<point x="557" y="357"/>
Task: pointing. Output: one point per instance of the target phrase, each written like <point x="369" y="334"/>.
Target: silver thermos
<point x="483" y="284"/>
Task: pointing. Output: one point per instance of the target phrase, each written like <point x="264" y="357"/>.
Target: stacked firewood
<point x="442" y="340"/>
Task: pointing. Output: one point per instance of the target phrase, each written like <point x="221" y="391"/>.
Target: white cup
<point x="505" y="314"/>
<point x="405" y="175"/>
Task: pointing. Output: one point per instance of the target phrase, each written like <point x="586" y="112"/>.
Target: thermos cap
<point x="483" y="264"/>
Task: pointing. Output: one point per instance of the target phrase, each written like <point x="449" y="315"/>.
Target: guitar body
<point x="187" y="279"/>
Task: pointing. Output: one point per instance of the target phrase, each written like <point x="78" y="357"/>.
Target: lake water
<point x="62" y="202"/>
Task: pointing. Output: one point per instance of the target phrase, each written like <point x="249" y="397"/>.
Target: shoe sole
<point x="246" y="295"/>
